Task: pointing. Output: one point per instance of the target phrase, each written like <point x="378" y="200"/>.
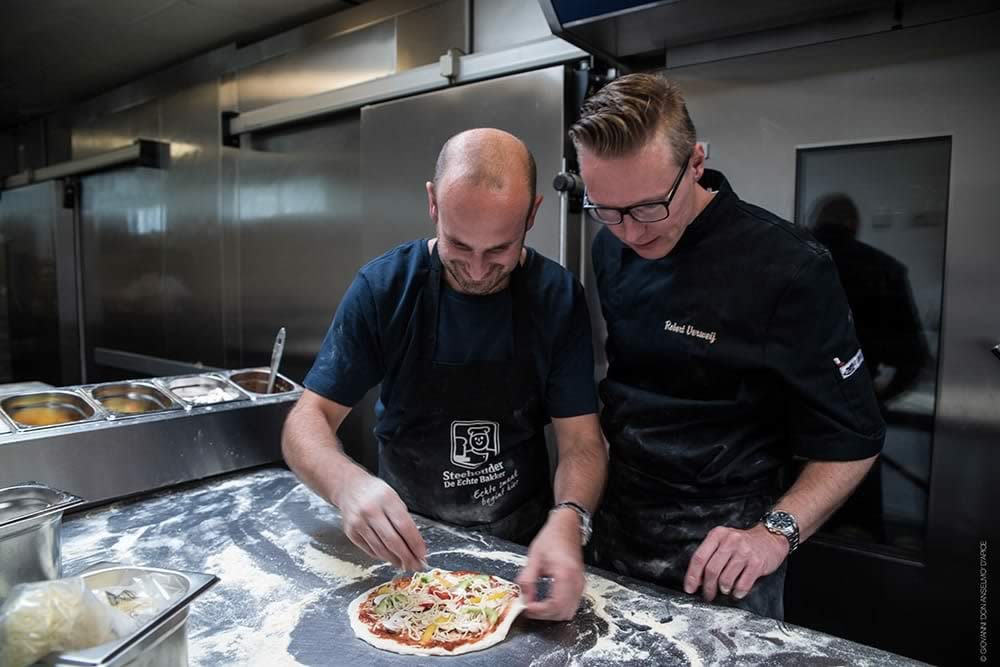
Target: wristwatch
<point x="784" y="524"/>
<point x="583" y="514"/>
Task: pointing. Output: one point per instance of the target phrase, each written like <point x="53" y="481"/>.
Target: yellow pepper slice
<point x="428" y="633"/>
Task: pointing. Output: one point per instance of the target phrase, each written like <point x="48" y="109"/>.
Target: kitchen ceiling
<point x="57" y="52"/>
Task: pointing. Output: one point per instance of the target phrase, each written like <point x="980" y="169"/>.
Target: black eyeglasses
<point x="652" y="211"/>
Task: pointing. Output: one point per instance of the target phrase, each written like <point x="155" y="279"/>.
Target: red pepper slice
<point x="438" y="593"/>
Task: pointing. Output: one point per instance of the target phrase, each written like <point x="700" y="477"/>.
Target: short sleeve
<point x="570" y="390"/>
<point x="811" y="343"/>
<point x="350" y="361"/>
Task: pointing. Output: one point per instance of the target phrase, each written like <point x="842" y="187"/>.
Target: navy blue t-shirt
<point x="366" y="339"/>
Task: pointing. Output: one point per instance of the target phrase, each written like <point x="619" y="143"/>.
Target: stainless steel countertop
<point x="288" y="573"/>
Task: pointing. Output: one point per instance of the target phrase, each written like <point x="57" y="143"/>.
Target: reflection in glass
<point x="880" y="208"/>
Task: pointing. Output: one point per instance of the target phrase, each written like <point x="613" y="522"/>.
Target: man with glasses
<point x="730" y="347"/>
<point x="478" y="342"/>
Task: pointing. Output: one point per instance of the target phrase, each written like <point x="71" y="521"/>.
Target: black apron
<point x="652" y="520"/>
<point x="467" y="445"/>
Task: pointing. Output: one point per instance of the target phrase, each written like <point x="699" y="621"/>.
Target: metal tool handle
<point x="279" y="347"/>
<point x="567" y="184"/>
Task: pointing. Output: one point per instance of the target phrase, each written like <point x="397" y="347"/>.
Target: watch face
<point x="781" y="521"/>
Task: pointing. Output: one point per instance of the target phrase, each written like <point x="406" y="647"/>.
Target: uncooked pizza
<point x="437" y="613"/>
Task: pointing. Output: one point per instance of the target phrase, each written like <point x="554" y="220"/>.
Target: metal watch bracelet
<point x="582" y="514"/>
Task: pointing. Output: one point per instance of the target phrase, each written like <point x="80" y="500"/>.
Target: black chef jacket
<point x="730" y="354"/>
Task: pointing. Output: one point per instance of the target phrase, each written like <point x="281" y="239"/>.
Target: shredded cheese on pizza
<point x="440" y="607"/>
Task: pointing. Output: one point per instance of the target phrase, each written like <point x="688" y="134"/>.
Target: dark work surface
<point x="288" y="573"/>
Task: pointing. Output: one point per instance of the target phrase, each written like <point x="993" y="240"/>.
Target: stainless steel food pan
<point x="162" y="640"/>
<point x="47" y="409"/>
<point x="201" y="390"/>
<point x="30" y="522"/>
<point x="130" y="399"/>
<point x="254" y="381"/>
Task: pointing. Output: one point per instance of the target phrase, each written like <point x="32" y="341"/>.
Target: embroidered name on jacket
<point x="688" y="330"/>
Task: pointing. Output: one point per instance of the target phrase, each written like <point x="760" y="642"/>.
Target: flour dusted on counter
<point x="502" y="556"/>
<point x="617" y="606"/>
<point x="237" y="569"/>
<point x="330" y="567"/>
<point x="262" y="641"/>
<point x="287" y="573"/>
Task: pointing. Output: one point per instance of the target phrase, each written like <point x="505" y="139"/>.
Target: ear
<point x="698" y="161"/>
<point x="432" y="207"/>
<point x="534" y="211"/>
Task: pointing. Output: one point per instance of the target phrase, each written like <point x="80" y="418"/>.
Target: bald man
<point x="478" y="342"/>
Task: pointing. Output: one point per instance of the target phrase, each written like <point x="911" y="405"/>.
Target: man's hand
<point x="732" y="560"/>
<point x="377" y="521"/>
<point x="555" y="552"/>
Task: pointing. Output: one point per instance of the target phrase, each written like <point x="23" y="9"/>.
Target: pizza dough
<point x="436" y="613"/>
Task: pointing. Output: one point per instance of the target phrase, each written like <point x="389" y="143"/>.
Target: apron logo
<point x="848" y="368"/>
<point x="474" y="442"/>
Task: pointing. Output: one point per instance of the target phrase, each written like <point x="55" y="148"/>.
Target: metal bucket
<point x="30" y="522"/>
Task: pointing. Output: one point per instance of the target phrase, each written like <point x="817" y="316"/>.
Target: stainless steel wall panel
<point x="475" y="67"/>
<point x="501" y="24"/>
<point x="363" y="16"/>
<point x="229" y="58"/>
<point x="299" y="211"/>
<point x="755" y="112"/>
<point x="38" y="259"/>
<point x="68" y="275"/>
<point x="401" y="140"/>
<point x="108" y="132"/>
<point x="362" y="55"/>
<point x="193" y="241"/>
<point x="151" y="239"/>
<point x="299" y="246"/>
<point x="123" y="229"/>
<point x="424" y="35"/>
<point x="232" y="326"/>
<point x="229" y="220"/>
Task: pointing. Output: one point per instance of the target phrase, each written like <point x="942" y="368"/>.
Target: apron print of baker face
<point x="474" y="442"/>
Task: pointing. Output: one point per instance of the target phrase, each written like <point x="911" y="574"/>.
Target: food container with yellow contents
<point x="30" y="522"/>
<point x="130" y="399"/>
<point x="46" y="409"/>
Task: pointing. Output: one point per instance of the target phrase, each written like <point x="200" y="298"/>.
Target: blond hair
<point x="629" y="112"/>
